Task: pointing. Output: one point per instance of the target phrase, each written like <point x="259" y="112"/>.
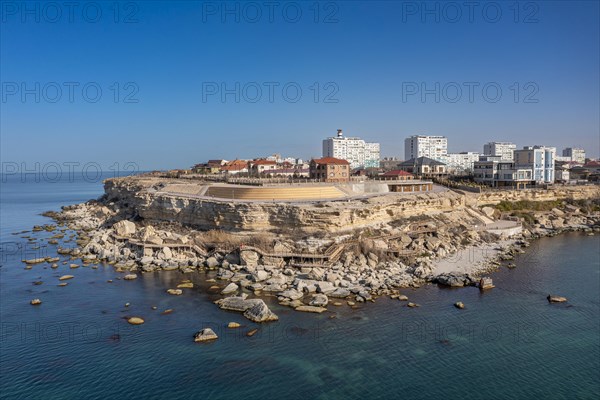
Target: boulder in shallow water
<point x="35" y="302"/>
<point x="204" y="335"/>
<point x="486" y="283"/>
<point x="130" y="277"/>
<point x="556" y="299"/>
<point x="259" y="312"/>
<point x="175" y="292"/>
<point x="318" y="300"/>
<point x="65" y="277"/>
<point x="459" y="305"/>
<point x="135" y="320"/>
<point x="231" y="288"/>
<point x="312" y="309"/>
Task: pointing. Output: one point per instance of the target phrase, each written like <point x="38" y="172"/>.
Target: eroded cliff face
<point x="556" y="193"/>
<point x="139" y="196"/>
<point x="142" y="196"/>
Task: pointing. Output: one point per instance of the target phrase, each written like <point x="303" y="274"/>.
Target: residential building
<point x="434" y="147"/>
<point x="389" y="163"/>
<point x="540" y="159"/>
<point x="576" y="154"/>
<point x="352" y="149"/>
<point x="460" y="163"/>
<point x="503" y="149"/>
<point x="235" y="167"/>
<point x="562" y="172"/>
<point x="261" y="167"/>
<point x="498" y="173"/>
<point x="398" y="175"/>
<point x="330" y="169"/>
<point x="424" y="166"/>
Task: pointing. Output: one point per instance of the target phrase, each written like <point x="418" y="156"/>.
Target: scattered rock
<point x="124" y="228"/>
<point x="185" y="285"/>
<point x="251" y="332"/>
<point x="259" y="312"/>
<point x="35" y="302"/>
<point x="402" y="297"/>
<point x="135" y="320"/>
<point x="175" y="292"/>
<point x="130" y="277"/>
<point x="319" y="300"/>
<point x="167" y="311"/>
<point x="459" y="304"/>
<point x="312" y="309"/>
<point x="233" y="325"/>
<point x="411" y="305"/>
<point x="205" y="335"/>
<point x="35" y="261"/>
<point x="65" y="277"/>
<point x="231" y="288"/>
<point x="556" y="299"/>
<point x="486" y="283"/>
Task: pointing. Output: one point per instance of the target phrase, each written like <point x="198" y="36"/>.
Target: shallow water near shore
<point x="508" y="342"/>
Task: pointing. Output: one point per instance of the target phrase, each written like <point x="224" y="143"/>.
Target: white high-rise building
<point x="460" y="163"/>
<point x="434" y="147"/>
<point x="352" y="149"/>
<point x="577" y="155"/>
<point x="503" y="149"/>
<point x="540" y="159"/>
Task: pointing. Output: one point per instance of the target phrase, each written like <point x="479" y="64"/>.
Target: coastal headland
<point x="353" y="244"/>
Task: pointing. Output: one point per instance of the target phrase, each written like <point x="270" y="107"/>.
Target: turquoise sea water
<point x="508" y="343"/>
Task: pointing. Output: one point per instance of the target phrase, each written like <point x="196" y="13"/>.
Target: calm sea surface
<point x="508" y="343"/>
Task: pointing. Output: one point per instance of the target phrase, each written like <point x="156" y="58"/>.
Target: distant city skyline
<point x="169" y="92"/>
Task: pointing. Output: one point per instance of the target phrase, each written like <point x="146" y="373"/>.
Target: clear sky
<point x="169" y="74"/>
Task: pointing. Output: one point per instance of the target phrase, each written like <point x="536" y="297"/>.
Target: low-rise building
<point x="397" y="174"/>
<point x="330" y="169"/>
<point x="540" y="159"/>
<point x="235" y="167"/>
<point x="497" y="173"/>
<point x="261" y="167"/>
<point x="424" y="166"/>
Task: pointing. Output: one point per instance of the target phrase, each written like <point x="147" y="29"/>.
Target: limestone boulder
<point x="124" y="228"/>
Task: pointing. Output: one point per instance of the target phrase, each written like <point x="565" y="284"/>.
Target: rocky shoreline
<point x="375" y="262"/>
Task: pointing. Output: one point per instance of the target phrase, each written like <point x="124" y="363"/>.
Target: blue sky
<point x="369" y="61"/>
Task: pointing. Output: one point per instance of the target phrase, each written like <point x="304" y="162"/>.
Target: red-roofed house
<point x="235" y="167"/>
<point x="330" y="169"/>
<point x="398" y="174"/>
<point x="262" y="167"/>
